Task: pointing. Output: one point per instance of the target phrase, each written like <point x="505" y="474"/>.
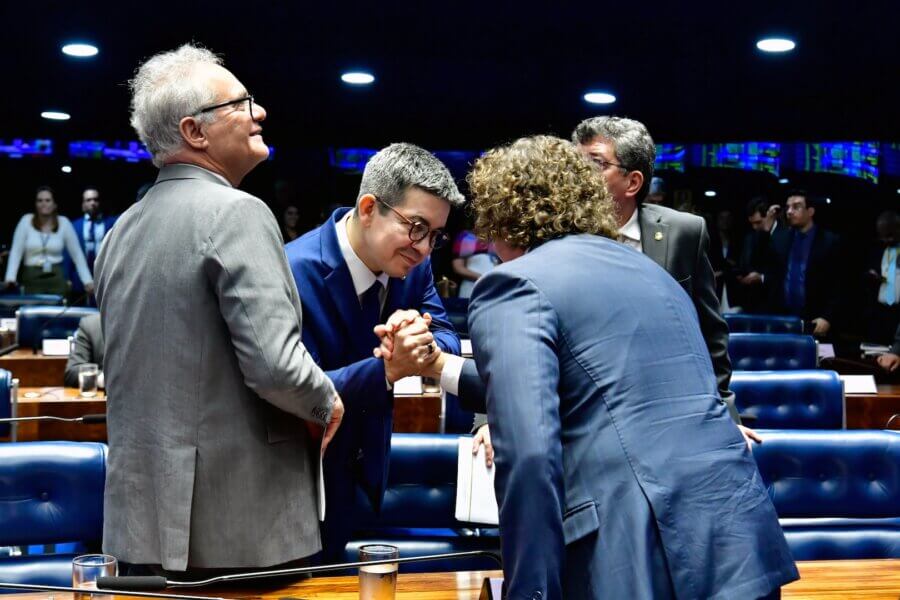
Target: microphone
<point x="59" y="588"/>
<point x="6" y="350"/>
<point x="96" y="419"/>
<point x="150" y="583"/>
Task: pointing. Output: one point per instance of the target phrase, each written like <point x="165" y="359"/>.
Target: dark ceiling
<point x="460" y="75"/>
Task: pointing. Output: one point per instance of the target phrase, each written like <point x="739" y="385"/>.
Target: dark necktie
<point x="371" y="305"/>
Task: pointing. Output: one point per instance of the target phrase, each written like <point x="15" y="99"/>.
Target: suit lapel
<point x="343" y="294"/>
<point x="654" y="236"/>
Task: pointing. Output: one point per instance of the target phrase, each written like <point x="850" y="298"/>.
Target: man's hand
<point x="821" y="327"/>
<point x="750" y="436"/>
<point x="337" y="415"/>
<point x="397" y="321"/>
<point x="412" y="349"/>
<point x="483" y="436"/>
<point x="771" y="215"/>
<point x="889" y="362"/>
<point x="752" y="278"/>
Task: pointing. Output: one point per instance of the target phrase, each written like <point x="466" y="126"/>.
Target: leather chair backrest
<point x="5" y="400"/>
<point x="36" y="323"/>
<point x="745" y="323"/>
<point x="9" y="303"/>
<point x="810" y="399"/>
<point x="771" y="352"/>
<point x="820" y="473"/>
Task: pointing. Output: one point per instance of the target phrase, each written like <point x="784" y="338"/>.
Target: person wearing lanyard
<point x="36" y="256"/>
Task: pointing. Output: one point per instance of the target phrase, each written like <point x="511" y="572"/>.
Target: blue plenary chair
<point x="771" y="352"/>
<point x="418" y="512"/>
<point x="746" y="323"/>
<point x="837" y="493"/>
<point x="50" y="492"/>
<point x="9" y="303"/>
<point x="37" y="323"/>
<point x="811" y="399"/>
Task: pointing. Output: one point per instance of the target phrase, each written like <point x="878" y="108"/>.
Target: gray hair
<point x="164" y="91"/>
<point x="633" y="145"/>
<point x="399" y="167"/>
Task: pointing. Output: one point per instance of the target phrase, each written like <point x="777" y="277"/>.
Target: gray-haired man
<point x="211" y="464"/>
<point x="359" y="267"/>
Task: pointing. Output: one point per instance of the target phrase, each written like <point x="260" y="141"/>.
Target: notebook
<point x="475" y="498"/>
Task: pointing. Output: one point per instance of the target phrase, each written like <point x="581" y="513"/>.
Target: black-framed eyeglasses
<point x="419" y="230"/>
<point x="605" y="164"/>
<point x="248" y="99"/>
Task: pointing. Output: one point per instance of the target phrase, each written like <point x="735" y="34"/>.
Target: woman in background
<point x="37" y="248"/>
<point x="290" y="223"/>
<point x="472" y="257"/>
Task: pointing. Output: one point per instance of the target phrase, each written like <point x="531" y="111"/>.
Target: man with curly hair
<point x="619" y="472"/>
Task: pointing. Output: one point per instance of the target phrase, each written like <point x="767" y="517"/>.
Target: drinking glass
<point x="87" y="380"/>
<point x="378" y="582"/>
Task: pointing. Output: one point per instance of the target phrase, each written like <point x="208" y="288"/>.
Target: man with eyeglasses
<point x="353" y="272"/>
<point x="215" y="406"/>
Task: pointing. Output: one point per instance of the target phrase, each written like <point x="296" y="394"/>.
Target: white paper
<point x="408" y="386"/>
<point x="476" y="501"/>
<point x="321" y="486"/>
<point x="825" y="351"/>
<point x="9" y="324"/>
<point x="873" y="349"/>
<point x="859" y="384"/>
<point x="466" y="348"/>
<point x="53" y="347"/>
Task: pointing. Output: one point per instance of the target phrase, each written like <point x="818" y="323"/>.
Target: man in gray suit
<point x="86" y="348"/>
<point x="211" y="464"/>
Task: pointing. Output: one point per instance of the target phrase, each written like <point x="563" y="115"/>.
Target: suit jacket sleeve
<point x="82" y="353"/>
<point x="246" y="265"/>
<point x="471" y="389"/>
<point x="712" y="325"/>
<point x="514" y="332"/>
<point x="444" y="334"/>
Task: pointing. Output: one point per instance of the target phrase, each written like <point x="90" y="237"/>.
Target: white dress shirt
<point x="362" y="276"/>
<point x="630" y="232"/>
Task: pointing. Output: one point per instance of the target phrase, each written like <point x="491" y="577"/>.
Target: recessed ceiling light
<point x="357" y="78"/>
<point x="776" y="45"/>
<point x="599" y="98"/>
<point x="898" y="190"/>
<point x="80" y="50"/>
<point x="66" y="169"/>
<point x="709" y="193"/>
<point x="784" y="180"/>
<point x="827" y="200"/>
<point x="55" y="115"/>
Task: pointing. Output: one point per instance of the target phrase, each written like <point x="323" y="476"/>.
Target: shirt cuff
<point x="450" y="375"/>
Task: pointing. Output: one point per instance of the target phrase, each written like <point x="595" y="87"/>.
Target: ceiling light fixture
<point x="709" y="193"/>
<point x="358" y="78"/>
<point x="80" y="50"/>
<point x="599" y="98"/>
<point x="776" y="45"/>
<point x="56" y="115"/>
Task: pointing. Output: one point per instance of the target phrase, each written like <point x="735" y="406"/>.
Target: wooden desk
<point x="59" y="402"/>
<point x="34" y="369"/>
<point x="418" y="414"/>
<point x="820" y="580"/>
<point x="872" y="411"/>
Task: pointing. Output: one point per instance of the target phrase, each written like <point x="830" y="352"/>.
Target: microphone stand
<point x="160" y="583"/>
<point x="59" y="588"/>
<point x="85" y="420"/>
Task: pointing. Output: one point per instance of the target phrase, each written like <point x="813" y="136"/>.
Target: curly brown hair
<point x="537" y="189"/>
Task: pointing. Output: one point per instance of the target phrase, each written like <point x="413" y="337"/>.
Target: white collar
<point x="631" y="229"/>
<point x="362" y="276"/>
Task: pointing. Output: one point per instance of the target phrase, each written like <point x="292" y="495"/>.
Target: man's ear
<point x="365" y="208"/>
<point x="193" y="135"/>
<point x="635" y="183"/>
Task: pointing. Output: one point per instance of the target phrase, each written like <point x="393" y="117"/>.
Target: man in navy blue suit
<point x="353" y="272"/>
<point x="90" y="228"/>
<point x="619" y="471"/>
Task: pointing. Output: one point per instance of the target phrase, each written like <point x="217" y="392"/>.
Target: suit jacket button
<point x="537" y="595"/>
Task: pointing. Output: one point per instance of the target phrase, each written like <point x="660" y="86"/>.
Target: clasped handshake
<point x="408" y="347"/>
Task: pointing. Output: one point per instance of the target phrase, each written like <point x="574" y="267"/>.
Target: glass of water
<point x="88" y="373"/>
<point x="86" y="569"/>
<point x="378" y="582"/>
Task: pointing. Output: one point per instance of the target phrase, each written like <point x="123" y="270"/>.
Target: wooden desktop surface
<point x="820" y="580"/>
<point x="34" y="369"/>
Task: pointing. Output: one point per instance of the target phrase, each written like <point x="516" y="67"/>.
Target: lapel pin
<point x="657" y="236"/>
